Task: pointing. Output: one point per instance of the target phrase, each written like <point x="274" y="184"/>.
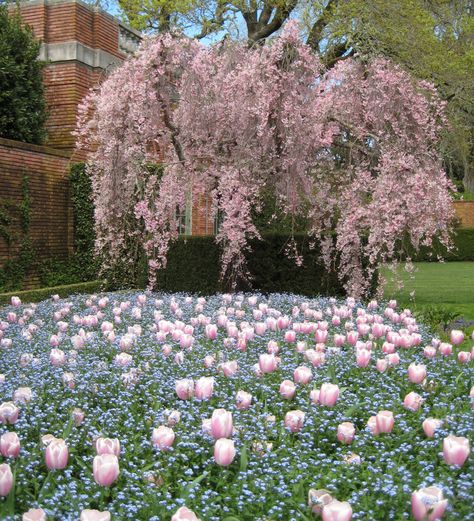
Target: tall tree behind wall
<point x="22" y="104"/>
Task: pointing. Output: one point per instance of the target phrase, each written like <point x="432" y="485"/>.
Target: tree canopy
<point x="354" y="149"/>
<point x="432" y="39"/>
<point x="22" y="103"/>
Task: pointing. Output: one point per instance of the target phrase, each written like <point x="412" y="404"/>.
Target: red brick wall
<point x="465" y="213"/>
<point x="51" y="226"/>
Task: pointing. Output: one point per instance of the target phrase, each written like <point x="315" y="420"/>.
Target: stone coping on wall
<point x="39" y="149"/>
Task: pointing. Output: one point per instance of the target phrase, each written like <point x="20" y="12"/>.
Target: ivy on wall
<point x="14" y="271"/>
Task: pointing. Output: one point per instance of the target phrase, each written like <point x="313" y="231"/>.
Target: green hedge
<point x="36" y="295"/>
<point x="193" y="266"/>
<point x="464" y="248"/>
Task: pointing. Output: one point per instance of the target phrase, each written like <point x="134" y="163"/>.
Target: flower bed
<point x="133" y="406"/>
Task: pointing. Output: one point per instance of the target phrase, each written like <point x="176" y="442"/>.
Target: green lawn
<point x="448" y="285"/>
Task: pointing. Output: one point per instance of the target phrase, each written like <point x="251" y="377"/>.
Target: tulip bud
<point x="224" y="452"/>
<point x="184" y="514"/>
<point x="34" y="514"/>
<point x="56" y="454"/>
<point x="221" y="424"/>
<point x="10" y="445"/>
<point x="337" y="511"/>
<point x="384" y="421"/>
<point x="6" y="479"/>
<point x="107" y="446"/>
<point x="328" y="394"/>
<point x="456" y="450"/>
<point x="412" y="401"/>
<point x="204" y="388"/>
<point x="105" y="469"/>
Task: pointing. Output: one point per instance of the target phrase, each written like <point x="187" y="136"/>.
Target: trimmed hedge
<point x="464" y="248"/>
<point x="193" y="266"/>
<point x="37" y="295"/>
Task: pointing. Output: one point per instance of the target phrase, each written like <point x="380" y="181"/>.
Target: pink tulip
<point x="224" y="452"/>
<point x="16" y="302"/>
<point x="352" y="337"/>
<point x="23" y="395"/>
<point x="381" y="365"/>
<point x="372" y="424"/>
<point x="445" y="349"/>
<point x="6" y="479"/>
<point x="328" y="394"/>
<point x="287" y="389"/>
<point x="430" y="425"/>
<point x="302" y="375"/>
<point x="321" y="336"/>
<point x="393" y="359"/>
<point x="384" y="421"/>
<point x="260" y="328"/>
<point x="184" y="388"/>
<point x="282" y="322"/>
<point x="267" y="363"/>
<point x="211" y="331"/>
<point x="209" y="361"/>
<point x="204" y="388"/>
<point x="317" y="499"/>
<point x="456" y="450"/>
<point x="10" y="445"/>
<point x="345" y="432"/>
<point x="243" y="400"/>
<point x="363" y="357"/>
<point x="34" y="514"/>
<point x="412" y="401"/>
<point x="294" y="420"/>
<point x="337" y="511"/>
<point x="107" y="446"/>
<point x="457" y="337"/>
<point x="230" y="368"/>
<point x="427" y="504"/>
<point x="339" y="340"/>
<point x="56" y="454"/>
<point x="464" y="357"/>
<point x="184" y="514"/>
<point x="378" y="330"/>
<point x="290" y="336"/>
<point x="416" y="373"/>
<point x="429" y="352"/>
<point x="314" y="396"/>
<point x="221" y="424"/>
<point x="105" y="469"/>
<point x="163" y="437"/>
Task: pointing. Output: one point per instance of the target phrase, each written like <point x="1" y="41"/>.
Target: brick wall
<point x="51" y="226"/>
<point x="465" y="213"/>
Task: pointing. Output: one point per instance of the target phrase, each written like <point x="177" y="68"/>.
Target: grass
<point x="447" y="285"/>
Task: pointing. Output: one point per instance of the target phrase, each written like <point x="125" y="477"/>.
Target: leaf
<point x="244" y="460"/>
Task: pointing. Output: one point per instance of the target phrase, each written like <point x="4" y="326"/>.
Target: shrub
<point x="22" y="104"/>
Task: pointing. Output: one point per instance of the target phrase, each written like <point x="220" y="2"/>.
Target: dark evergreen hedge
<point x="193" y="266"/>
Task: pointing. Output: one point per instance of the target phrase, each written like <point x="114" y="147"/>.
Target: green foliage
<point x="438" y="318"/>
<point x="37" y="295"/>
<point x="463" y="251"/>
<point x="14" y="271"/>
<point x="22" y="104"/>
<point x="193" y="266"/>
<point x="81" y="266"/>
